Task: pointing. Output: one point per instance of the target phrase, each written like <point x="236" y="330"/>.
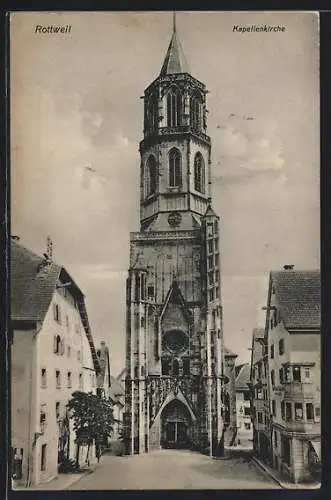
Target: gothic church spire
<point x="175" y="60"/>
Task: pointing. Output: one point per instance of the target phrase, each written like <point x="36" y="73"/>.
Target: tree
<point x="93" y="419"/>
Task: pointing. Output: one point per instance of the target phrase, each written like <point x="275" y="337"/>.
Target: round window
<point x="175" y="341"/>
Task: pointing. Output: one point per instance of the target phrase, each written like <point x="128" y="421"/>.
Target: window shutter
<point x="62" y="347"/>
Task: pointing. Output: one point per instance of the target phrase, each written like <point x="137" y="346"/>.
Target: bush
<point x="67" y="466"/>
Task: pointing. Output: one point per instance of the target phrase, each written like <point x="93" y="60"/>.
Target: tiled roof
<point x="299" y="297"/>
<point x="32" y="284"/>
<point x="175" y="60"/>
<point x="243" y="377"/>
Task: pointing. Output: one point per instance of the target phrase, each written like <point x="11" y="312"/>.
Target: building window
<point x="275" y="439"/>
<point x="260" y="417"/>
<point x="281" y="376"/>
<point x="317" y="413"/>
<point x="173" y="108"/>
<point x="272" y="375"/>
<point x="272" y="351"/>
<point x="211" y="277"/>
<point x="210" y="246"/>
<point x="57" y="409"/>
<point x="57" y="313"/>
<point x="43" y="457"/>
<point x="42" y="418"/>
<point x="58" y="379"/>
<point x="247" y="411"/>
<point x="287" y="374"/>
<point x="80" y="381"/>
<point x="282" y="409"/>
<point x="68" y="351"/>
<point x="273" y="403"/>
<point x="174" y="168"/>
<point x="271" y="323"/>
<point x="67" y="322"/>
<point x="199" y="173"/>
<point x="151" y="171"/>
<point x="150" y="291"/>
<point x="211" y="294"/>
<point x="57" y="344"/>
<point x="298" y="411"/>
<point x="195" y="112"/>
<point x="43" y="378"/>
<point x="281" y="347"/>
<point x="307" y="373"/>
<point x="310" y="411"/>
<point x="296" y="374"/>
<point x="69" y="380"/>
<point x="247" y="426"/>
<point x="288" y="408"/>
<point x="78" y="355"/>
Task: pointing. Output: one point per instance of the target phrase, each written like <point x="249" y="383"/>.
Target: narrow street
<point x="174" y="469"/>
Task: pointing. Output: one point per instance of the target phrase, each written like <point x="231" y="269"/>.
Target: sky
<point x="75" y="103"/>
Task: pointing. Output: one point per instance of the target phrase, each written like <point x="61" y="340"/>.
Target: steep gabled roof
<point x="33" y="282"/>
<point x="243" y="377"/>
<point x="298" y="294"/>
<point x="175" y="60"/>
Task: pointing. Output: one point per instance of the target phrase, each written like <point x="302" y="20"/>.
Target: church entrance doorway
<point x="176" y="423"/>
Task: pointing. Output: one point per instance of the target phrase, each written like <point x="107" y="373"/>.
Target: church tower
<point x="174" y="360"/>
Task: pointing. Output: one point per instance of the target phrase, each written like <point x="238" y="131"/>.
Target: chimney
<point x="289" y="267"/>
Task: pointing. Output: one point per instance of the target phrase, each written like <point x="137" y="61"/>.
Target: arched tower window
<point x="174" y="108"/>
<point x="199" y="173"/>
<point x="151" y="171"/>
<point x="195" y="112"/>
<point x="152" y="113"/>
<point x="174" y="168"/>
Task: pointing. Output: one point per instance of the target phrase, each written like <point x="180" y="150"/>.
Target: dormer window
<point x="199" y="173"/>
<point x="173" y="108"/>
<point x="174" y="168"/>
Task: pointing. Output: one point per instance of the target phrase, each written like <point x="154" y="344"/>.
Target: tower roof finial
<point x="175" y="60"/>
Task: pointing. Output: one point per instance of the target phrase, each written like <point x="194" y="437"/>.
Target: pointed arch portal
<point x="176" y="421"/>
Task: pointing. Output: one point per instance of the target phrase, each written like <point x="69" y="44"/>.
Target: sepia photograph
<point x="165" y="288"/>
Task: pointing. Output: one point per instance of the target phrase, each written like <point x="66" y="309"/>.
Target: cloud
<point x="246" y="152"/>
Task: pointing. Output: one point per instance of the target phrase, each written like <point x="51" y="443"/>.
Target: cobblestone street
<point x="173" y="469"/>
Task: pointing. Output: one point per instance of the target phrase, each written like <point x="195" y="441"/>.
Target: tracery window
<point x="174" y="108"/>
<point x="151" y="175"/>
<point x="195" y="112"/>
<point x="152" y="113"/>
<point x="174" y="168"/>
<point x="199" y="173"/>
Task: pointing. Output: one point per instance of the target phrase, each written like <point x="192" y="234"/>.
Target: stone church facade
<point x="174" y="338"/>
